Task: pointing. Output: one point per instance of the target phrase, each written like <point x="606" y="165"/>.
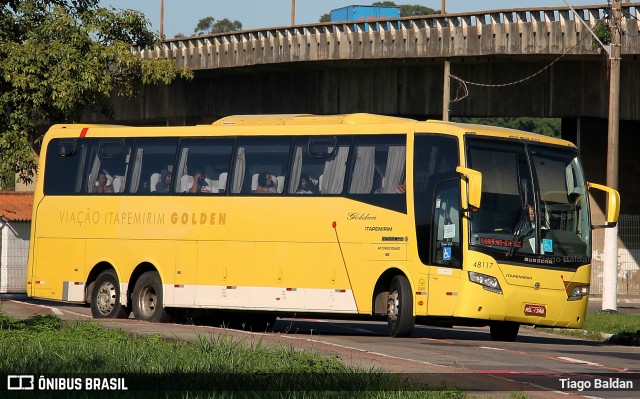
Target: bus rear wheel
<point x="504" y="331"/>
<point x="105" y="297"/>
<point x="400" y="318"/>
<point x="147" y="299"/>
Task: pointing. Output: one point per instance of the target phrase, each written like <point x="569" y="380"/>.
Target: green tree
<point x="547" y="126"/>
<point x="204" y="26"/>
<point x="407" y="10"/>
<point x="325" y="18"/>
<point x="209" y="25"/>
<point x="60" y="59"/>
<point x="412" y="11"/>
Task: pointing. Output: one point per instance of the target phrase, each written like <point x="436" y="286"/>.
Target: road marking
<point x="572" y="360"/>
<point x="495" y="349"/>
<point x="560" y="359"/>
<point x="319" y="341"/>
<point x="443" y="341"/>
<point x="56" y="311"/>
<point x="339" y="325"/>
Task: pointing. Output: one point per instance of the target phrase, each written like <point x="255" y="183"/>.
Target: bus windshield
<point x="534" y="202"/>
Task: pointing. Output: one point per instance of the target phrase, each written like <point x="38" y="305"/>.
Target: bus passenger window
<point x="378" y="165"/>
<point x="153" y="164"/>
<point x="323" y="163"/>
<point x="64" y="174"/>
<point x="260" y="165"/>
<point x="108" y="165"/>
<point x="203" y="165"/>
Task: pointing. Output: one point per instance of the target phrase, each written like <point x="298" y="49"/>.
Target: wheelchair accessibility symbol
<point x="446" y="253"/>
<point x="547" y="246"/>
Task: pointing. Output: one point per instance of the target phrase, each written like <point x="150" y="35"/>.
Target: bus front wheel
<point x="147" y="300"/>
<point x="400" y="318"/>
<point x="105" y="297"/>
<point x="504" y="330"/>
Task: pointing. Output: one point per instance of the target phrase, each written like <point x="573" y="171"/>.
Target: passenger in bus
<point x="102" y="184"/>
<point x="305" y="186"/>
<point x="266" y="185"/>
<point x="199" y="183"/>
<point x="165" y="181"/>
<point x="144" y="188"/>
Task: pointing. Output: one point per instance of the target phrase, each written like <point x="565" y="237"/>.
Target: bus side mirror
<point x="474" y="186"/>
<point x="613" y="204"/>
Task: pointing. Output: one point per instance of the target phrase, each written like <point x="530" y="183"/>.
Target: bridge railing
<point x="509" y="32"/>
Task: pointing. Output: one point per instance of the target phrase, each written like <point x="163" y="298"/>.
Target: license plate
<point x="535" y="310"/>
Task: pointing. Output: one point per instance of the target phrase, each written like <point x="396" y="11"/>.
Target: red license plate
<point x="535" y="310"/>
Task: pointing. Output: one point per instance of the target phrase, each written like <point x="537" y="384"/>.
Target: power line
<point x="462" y="84"/>
<point x="624" y="29"/>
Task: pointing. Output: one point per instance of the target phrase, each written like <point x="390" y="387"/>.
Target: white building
<point x="15" y="227"/>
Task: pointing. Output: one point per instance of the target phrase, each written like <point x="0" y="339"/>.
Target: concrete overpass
<point x="395" y="67"/>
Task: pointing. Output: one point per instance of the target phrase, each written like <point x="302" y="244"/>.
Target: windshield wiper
<point x="518" y="229"/>
<point x="555" y="239"/>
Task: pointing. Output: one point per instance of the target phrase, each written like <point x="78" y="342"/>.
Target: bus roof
<point x="429" y="126"/>
<point x="309" y="119"/>
<point x="496" y="131"/>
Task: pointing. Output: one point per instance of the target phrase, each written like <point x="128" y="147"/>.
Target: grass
<point x="616" y="328"/>
<point x="216" y="365"/>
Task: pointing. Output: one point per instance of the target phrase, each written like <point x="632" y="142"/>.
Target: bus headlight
<point x="489" y="283"/>
<point x="578" y="292"/>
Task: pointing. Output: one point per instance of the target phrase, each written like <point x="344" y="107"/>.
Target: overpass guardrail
<point x="513" y="32"/>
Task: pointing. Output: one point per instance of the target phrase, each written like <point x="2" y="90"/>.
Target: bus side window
<point x="109" y="162"/>
<point x="208" y="158"/>
<point x="152" y="156"/>
<point x="309" y="155"/>
<point x="260" y="155"/>
<point x="378" y="165"/>
<point x="446" y="224"/>
<point x="64" y="174"/>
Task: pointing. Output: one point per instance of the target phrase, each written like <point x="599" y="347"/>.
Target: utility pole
<point x="293" y="12"/>
<point x="610" y="267"/>
<point x="446" y="88"/>
<point x="161" y="19"/>
<point x="446" y="91"/>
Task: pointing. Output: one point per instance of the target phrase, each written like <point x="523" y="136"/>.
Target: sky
<point x="181" y="16"/>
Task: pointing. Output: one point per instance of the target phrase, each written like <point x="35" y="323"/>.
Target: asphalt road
<point x="540" y="364"/>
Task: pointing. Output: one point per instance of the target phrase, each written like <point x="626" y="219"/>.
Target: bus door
<point x="445" y="269"/>
<point x="437" y="216"/>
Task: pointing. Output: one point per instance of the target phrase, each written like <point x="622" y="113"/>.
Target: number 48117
<point x="482" y="265"/>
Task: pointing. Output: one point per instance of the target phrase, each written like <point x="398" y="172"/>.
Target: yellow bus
<point x="353" y="216"/>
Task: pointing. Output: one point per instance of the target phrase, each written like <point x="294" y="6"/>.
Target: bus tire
<point x="506" y="331"/>
<point x="400" y="318"/>
<point x="147" y="299"/>
<point x="105" y="297"/>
